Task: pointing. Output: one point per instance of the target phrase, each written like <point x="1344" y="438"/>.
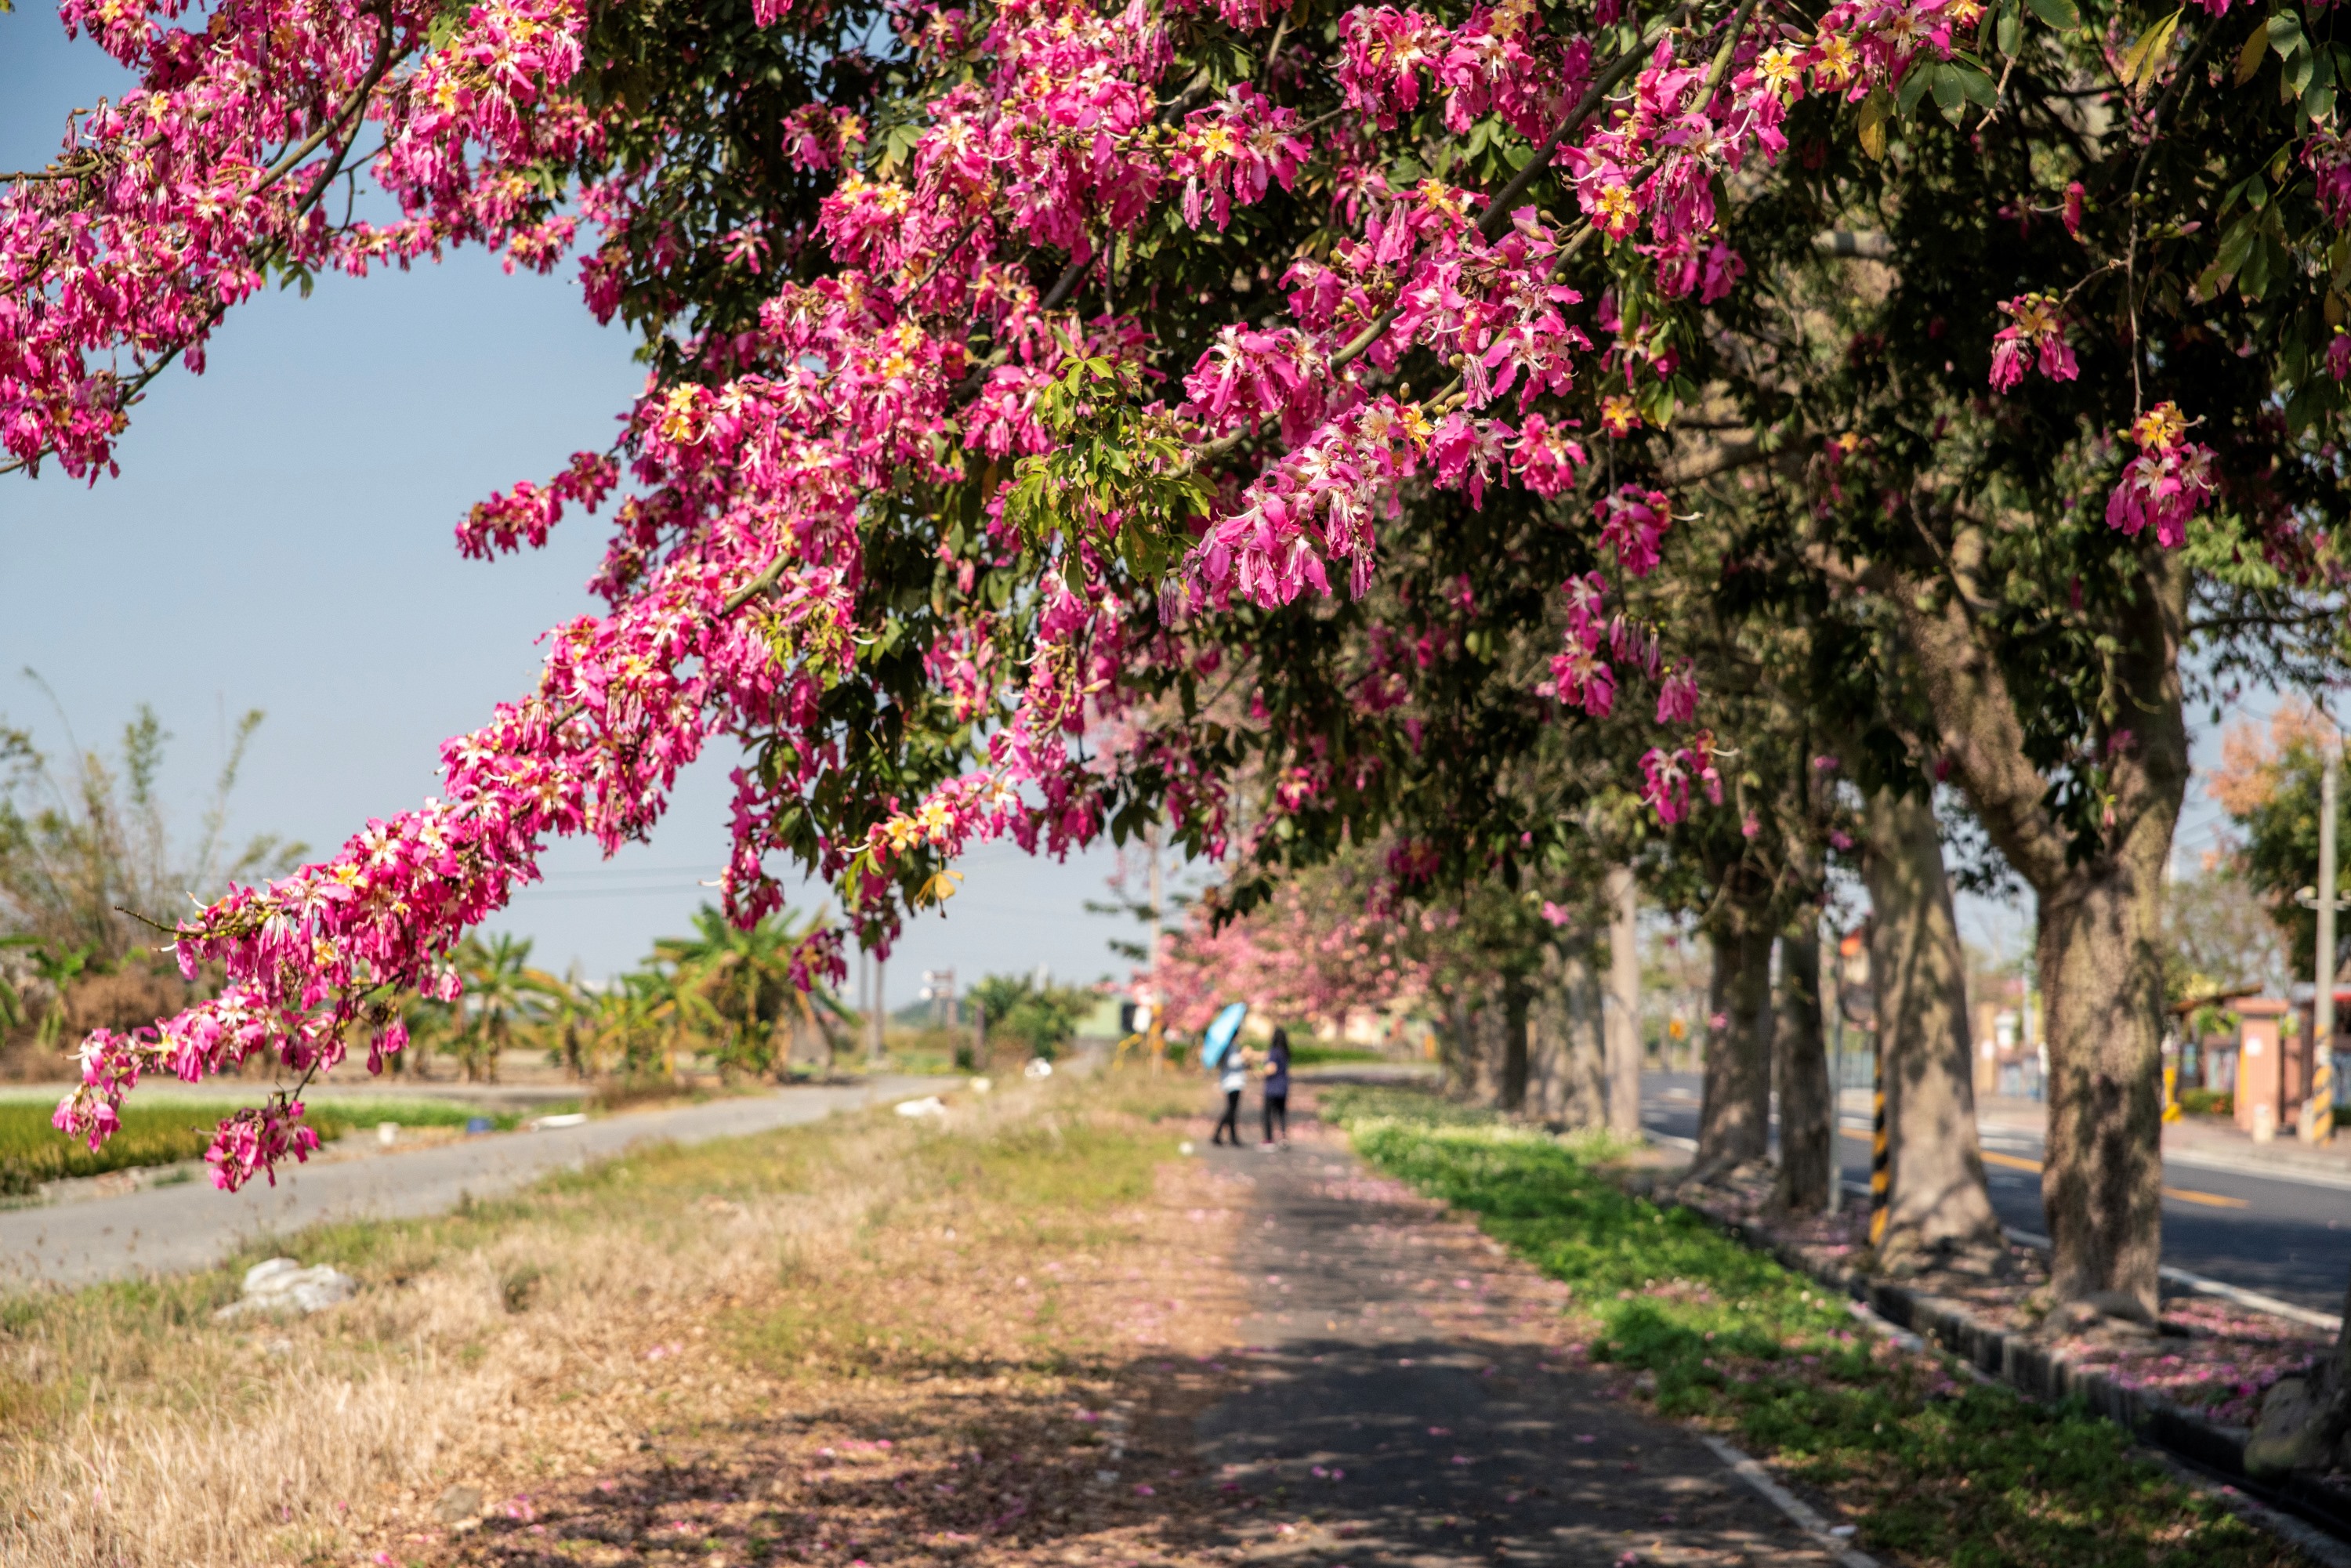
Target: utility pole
<point x="1158" y="901"/>
<point x="1620" y="1017"/>
<point x="1834" y="991"/>
<point x="2323" y="1014"/>
<point x="2318" y="1116"/>
<point x="940" y="990"/>
<point x="873" y="1044"/>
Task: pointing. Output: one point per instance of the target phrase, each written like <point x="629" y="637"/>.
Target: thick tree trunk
<point x="1621" y="1025"/>
<point x="1585" y="1101"/>
<point x="2101" y="1190"/>
<point x="1510" y="1080"/>
<point x="1734" y="1120"/>
<point x="1801" y="1067"/>
<point x="1461" y="1049"/>
<point x="2100" y="902"/>
<point x="1937" y="1201"/>
<point x="1547" y="1043"/>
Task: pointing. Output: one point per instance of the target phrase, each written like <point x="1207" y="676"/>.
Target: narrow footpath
<point x="1409" y="1401"/>
<point x="167" y="1230"/>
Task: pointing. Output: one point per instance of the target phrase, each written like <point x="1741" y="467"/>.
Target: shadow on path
<point x="1409" y="1401"/>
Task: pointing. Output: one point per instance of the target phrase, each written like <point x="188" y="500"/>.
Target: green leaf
<point x="2285" y="31"/>
<point x="2298" y="75"/>
<point x="1914" y="87"/>
<point x="2254" y="279"/>
<point x="2250" y="57"/>
<point x="2311" y="401"/>
<point x="2011" y="32"/>
<point x="1977" y="85"/>
<point x="2235" y="246"/>
<point x="1948" y="95"/>
<point x="2059" y="14"/>
<point x="2146" y="58"/>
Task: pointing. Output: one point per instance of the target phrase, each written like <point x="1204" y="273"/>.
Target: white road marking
<point x="1788" y="1503"/>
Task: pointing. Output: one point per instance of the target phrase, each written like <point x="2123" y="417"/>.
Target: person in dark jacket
<point x="1277" y="1087"/>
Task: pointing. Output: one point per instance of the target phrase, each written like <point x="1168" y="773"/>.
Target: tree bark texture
<point x="1936" y="1199"/>
<point x="1547" y="1044"/>
<point x="2306" y="1422"/>
<point x="1621" y="1025"/>
<point x="2102" y="970"/>
<point x="1461" y="1049"/>
<point x="1511" y="1086"/>
<point x="1734" y="1120"/>
<point x="1585" y="1101"/>
<point x="2100" y="911"/>
<point x="1800" y="1068"/>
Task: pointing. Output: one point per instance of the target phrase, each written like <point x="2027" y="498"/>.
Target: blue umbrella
<point x="1219" y="1037"/>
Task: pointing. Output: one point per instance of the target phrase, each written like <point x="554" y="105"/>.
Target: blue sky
<point x="280" y="537"/>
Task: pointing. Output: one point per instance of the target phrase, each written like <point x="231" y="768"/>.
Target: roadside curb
<point x="2041" y="1374"/>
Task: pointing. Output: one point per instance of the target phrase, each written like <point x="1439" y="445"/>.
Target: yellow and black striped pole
<point x="1881" y="1176"/>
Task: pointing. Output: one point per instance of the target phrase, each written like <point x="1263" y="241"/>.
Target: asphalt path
<point x="1400" y="1404"/>
<point x="2278" y="1235"/>
<point x="166" y="1229"/>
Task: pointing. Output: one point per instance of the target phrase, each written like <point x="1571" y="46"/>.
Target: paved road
<point x="2283" y="1237"/>
<point x="1401" y="1409"/>
<point x="166" y="1229"/>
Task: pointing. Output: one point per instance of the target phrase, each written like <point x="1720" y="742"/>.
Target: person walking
<point x="1277" y="1087"/>
<point x="1233" y="1077"/>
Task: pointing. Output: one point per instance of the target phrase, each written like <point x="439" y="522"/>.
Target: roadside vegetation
<point x="1935" y="1468"/>
<point x="163" y="1132"/>
<point x="709" y="1340"/>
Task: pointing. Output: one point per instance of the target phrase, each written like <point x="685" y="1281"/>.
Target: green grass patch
<point x="1332" y="1055"/>
<point x="1935" y="1469"/>
<point x="166" y="1131"/>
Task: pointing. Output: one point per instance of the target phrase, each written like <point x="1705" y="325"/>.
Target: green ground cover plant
<point x="164" y="1132"/>
<point x="1331" y="1055"/>
<point x="1931" y="1467"/>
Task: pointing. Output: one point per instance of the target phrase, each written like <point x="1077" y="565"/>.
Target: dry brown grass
<point x="651" y="1338"/>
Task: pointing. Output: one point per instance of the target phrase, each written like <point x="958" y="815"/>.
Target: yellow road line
<point x="2018" y="1162"/>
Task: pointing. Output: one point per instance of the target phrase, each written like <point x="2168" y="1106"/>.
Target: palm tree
<point x="651" y="1015"/>
<point x="502" y="990"/>
<point x="744" y="979"/>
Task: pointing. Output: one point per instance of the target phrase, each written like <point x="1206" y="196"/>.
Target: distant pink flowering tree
<point x="1330" y="942"/>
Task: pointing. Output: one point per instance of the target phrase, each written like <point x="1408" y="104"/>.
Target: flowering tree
<point x="2042" y="410"/>
<point x="1331" y="942"/>
<point x="964" y="417"/>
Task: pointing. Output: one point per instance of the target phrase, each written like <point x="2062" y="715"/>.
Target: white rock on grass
<point x="928" y="1105"/>
<point x="283" y="1285"/>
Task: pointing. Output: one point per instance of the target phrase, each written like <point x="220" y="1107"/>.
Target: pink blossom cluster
<point x="169" y="207"/>
<point x="2166" y="484"/>
<point x="732" y="581"/>
<point x="2036" y="328"/>
<point x="1667" y="775"/>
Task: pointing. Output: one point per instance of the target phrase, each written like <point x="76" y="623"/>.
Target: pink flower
<point x="1632" y="522"/>
<point x="2039" y="329"/>
<point x="2166" y="484"/>
<point x="1677" y="699"/>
